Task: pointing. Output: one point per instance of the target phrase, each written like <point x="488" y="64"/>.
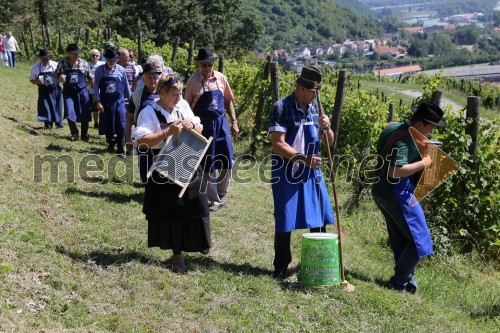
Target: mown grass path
<point x="74" y="257"/>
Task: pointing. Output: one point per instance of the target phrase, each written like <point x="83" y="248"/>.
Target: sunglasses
<point x="95" y="55"/>
<point x="174" y="80"/>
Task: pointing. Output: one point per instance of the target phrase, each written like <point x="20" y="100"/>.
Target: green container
<point x="320" y="260"/>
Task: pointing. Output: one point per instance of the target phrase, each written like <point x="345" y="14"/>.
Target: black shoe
<point x="60" y="126"/>
<point x="111" y="148"/>
<point x="204" y="251"/>
<point x="86" y="138"/>
<point x="74" y="138"/>
<point x="391" y="285"/>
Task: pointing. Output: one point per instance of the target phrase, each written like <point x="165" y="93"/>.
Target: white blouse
<point x="147" y="121"/>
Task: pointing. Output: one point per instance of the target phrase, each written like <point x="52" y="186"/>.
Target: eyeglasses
<point x="207" y="64"/>
<point x="95" y="55"/>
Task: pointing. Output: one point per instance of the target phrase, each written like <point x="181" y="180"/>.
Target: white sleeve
<point x="145" y="124"/>
<point x="35" y="71"/>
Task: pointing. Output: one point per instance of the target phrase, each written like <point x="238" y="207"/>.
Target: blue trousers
<point x="12" y="58"/>
<point x="402" y="244"/>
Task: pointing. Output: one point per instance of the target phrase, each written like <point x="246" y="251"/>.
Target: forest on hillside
<point x="226" y="25"/>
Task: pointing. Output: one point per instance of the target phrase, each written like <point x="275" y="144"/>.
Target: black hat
<point x="310" y="78"/>
<point x="205" y="55"/>
<point x="44" y="53"/>
<point x="149" y="68"/>
<point x="73" y="48"/>
<point x="111" y="54"/>
<point x="431" y="113"/>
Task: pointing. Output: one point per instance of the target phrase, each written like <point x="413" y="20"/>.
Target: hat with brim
<point x="149" y="68"/>
<point x="205" y="55"/>
<point x="73" y="48"/>
<point x="111" y="54"/>
<point x="431" y="113"/>
<point x="310" y="78"/>
<point x="44" y="53"/>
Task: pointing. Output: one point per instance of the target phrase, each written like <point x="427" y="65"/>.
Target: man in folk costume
<point x="73" y="73"/>
<point x="111" y="89"/>
<point x="208" y="93"/>
<point x="408" y="232"/>
<point x="301" y="199"/>
<point x="50" y="102"/>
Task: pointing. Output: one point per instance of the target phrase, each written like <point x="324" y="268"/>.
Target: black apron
<point x="49" y="105"/>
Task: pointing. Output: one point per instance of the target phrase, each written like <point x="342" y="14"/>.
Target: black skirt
<point x="180" y="224"/>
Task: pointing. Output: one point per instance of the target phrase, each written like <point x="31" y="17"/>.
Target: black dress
<point x="180" y="224"/>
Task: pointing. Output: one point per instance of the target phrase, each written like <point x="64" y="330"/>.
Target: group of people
<point x="156" y="110"/>
<point x="8" y="50"/>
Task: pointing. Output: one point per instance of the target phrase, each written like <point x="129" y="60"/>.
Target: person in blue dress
<point x="409" y="234"/>
<point x="50" y="101"/>
<point x="74" y="73"/>
<point x="111" y="89"/>
<point x="301" y="200"/>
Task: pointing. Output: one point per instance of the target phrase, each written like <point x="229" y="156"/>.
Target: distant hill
<point x="309" y="22"/>
<point x="358" y="7"/>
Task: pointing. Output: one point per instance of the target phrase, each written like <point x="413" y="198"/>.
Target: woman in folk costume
<point x="301" y="199"/>
<point x="180" y="224"/>
<point x="50" y="101"/>
<point x="110" y="91"/>
<point x="73" y="73"/>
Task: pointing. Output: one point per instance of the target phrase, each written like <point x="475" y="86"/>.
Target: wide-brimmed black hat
<point x="111" y="54"/>
<point x="310" y="78"/>
<point x="149" y="68"/>
<point x="73" y="48"/>
<point x="431" y="113"/>
<point x="205" y="55"/>
<point x="44" y="53"/>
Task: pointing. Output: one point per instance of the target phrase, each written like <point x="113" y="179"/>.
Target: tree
<point x="248" y="32"/>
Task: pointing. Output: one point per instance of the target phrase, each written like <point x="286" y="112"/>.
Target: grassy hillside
<point x="74" y="257"/>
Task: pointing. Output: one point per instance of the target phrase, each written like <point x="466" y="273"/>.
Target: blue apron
<point x="112" y="120"/>
<point x="210" y="109"/>
<point x="76" y="97"/>
<point x="412" y="211"/>
<point x="301" y="200"/>
<point x="49" y="99"/>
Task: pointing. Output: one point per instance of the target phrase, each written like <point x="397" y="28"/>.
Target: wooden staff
<point x="349" y="287"/>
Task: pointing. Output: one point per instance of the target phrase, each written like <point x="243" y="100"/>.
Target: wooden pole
<point x="190" y="53"/>
<point x="79" y="35"/>
<point x="44" y="45"/>
<point x="472" y="128"/>
<point x="98" y="38"/>
<point x="60" y="48"/>
<point x="118" y="44"/>
<point x="390" y="117"/>
<point x="275" y="83"/>
<point x="108" y="34"/>
<point x="260" y="108"/>
<point x="174" y="51"/>
<point x="337" y="109"/>
<point x="349" y="287"/>
<point x="26" y="49"/>
<point x="32" y="39"/>
<point x="139" y="46"/>
<point x="49" y="39"/>
<point x="87" y="36"/>
<point x="220" y="68"/>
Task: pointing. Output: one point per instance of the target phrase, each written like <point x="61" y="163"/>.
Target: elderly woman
<point x="94" y="62"/>
<point x="180" y="224"/>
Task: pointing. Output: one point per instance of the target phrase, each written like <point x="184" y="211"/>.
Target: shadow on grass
<point x="27" y="128"/>
<point x="207" y="263"/>
<point x="489" y="311"/>
<point x="110" y="196"/>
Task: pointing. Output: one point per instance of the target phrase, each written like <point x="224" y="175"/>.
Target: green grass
<point x="74" y="257"/>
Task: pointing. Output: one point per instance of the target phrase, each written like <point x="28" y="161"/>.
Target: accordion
<point x="180" y="156"/>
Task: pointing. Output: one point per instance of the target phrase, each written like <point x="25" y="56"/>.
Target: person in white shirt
<point x="49" y="92"/>
<point x="3" y="53"/>
<point x="12" y="47"/>
<point x="179" y="224"/>
<point x="93" y="64"/>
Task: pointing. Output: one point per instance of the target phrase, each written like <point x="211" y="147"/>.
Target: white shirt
<point x="10" y="43"/>
<point x="35" y="70"/>
<point x="93" y="67"/>
<point x="147" y="121"/>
